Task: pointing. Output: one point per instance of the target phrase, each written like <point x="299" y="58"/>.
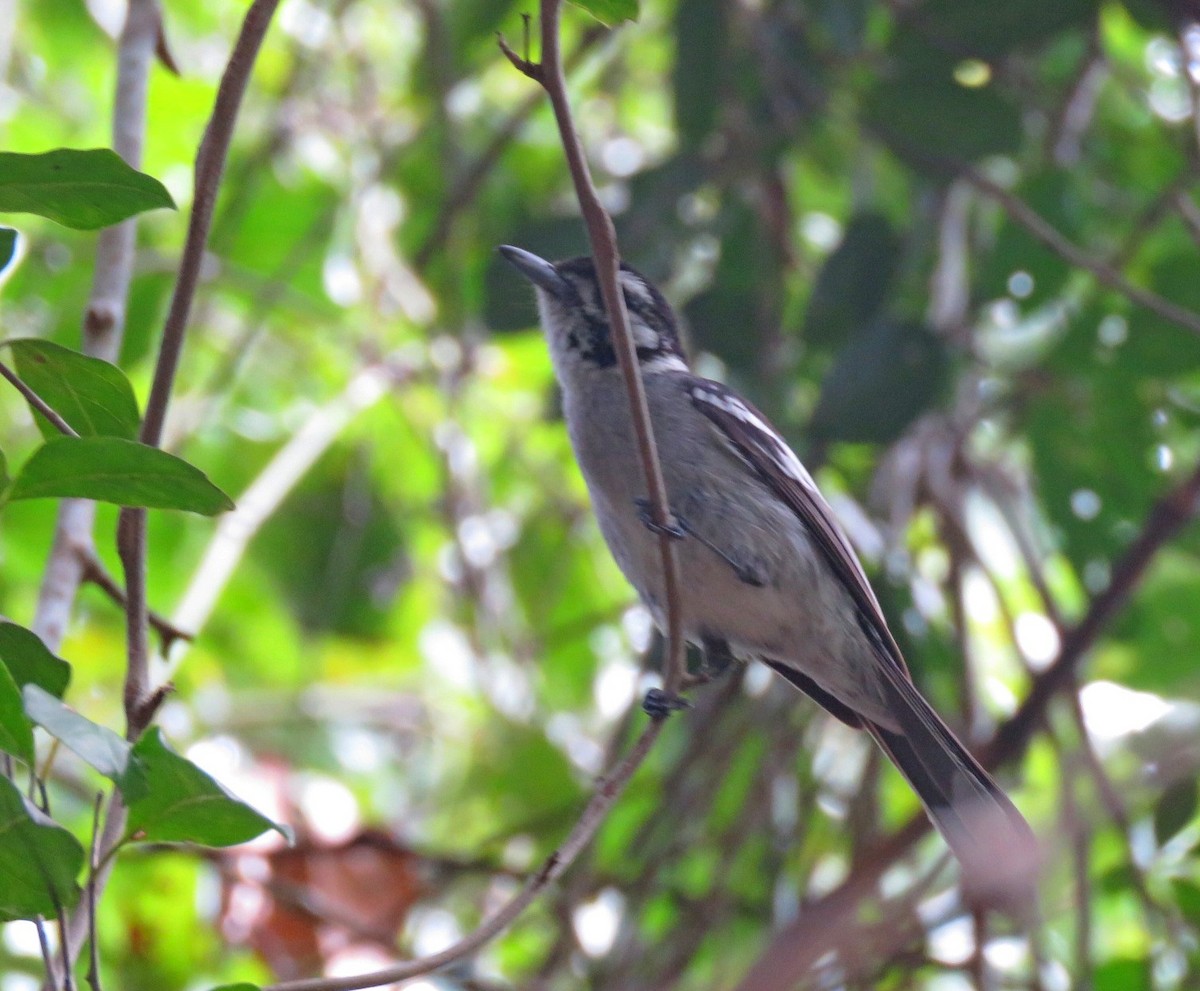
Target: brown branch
<point x="608" y="790"/>
<point x="603" y="239"/>
<point x="549" y="73"/>
<point x="140" y="701"/>
<point x="93" y="973"/>
<point x="95" y="573"/>
<point x="36" y="401"/>
<point x="1106" y="273"/>
<point x="210" y="166"/>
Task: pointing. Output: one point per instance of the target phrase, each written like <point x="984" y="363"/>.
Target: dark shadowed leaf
<point x="994" y="29"/>
<point x="185" y="805"/>
<point x="81" y="189"/>
<point x="30" y="662"/>
<point x="882" y="380"/>
<point x="8" y="245"/>
<point x="701" y="43"/>
<point x="93" y="396"/>
<point x="16" y="733"/>
<point x="97" y="745"/>
<point x="112" y="469"/>
<point x="1175" y="809"/>
<point x="854" y="282"/>
<point x="610" y="11"/>
<point x="39" y="860"/>
<point x="922" y="111"/>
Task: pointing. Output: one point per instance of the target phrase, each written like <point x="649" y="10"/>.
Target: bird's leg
<point x="659" y="704"/>
<point x="670" y="529"/>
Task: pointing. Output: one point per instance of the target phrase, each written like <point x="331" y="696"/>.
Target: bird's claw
<point x="673" y="528"/>
<point x="659" y="704"/>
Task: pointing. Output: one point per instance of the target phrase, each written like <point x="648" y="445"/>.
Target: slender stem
<point x="1107" y="274"/>
<point x="140" y="700"/>
<point x="36" y="401"/>
<point x="603" y="239"/>
<point x="600" y="231"/>
<point x="93" y="974"/>
<point x="47" y="954"/>
<point x="608" y="790"/>
<point x="210" y="166"/>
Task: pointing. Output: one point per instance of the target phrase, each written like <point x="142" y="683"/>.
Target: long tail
<point x="990" y="838"/>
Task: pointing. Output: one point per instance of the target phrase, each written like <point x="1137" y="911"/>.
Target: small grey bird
<point x="765" y="568"/>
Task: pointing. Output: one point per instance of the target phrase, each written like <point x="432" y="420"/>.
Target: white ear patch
<point x="644" y="336"/>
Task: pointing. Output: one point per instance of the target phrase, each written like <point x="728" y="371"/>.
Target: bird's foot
<point x="673" y="528"/>
<point x="659" y="704"/>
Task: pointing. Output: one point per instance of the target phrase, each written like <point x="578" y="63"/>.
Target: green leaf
<point x="112" y="469"/>
<point x="8" y="246"/>
<point x="185" y="805"/>
<point x="610" y="12"/>
<point x="93" y="396"/>
<point x="30" y="662"/>
<point x="4" y="479"/>
<point x="702" y="40"/>
<point x="1175" y="809"/>
<point x="16" y="733"/>
<point x="920" y="108"/>
<point x="884" y="378"/>
<point x="1187" y="898"/>
<point x="81" y="189"/>
<point x="1123" y="974"/>
<point x="97" y="745"/>
<point x="853" y="284"/>
<point x="39" y="860"/>
<point x="240" y="986"/>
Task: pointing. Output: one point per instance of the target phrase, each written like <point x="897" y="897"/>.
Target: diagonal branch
<point x="608" y="790"/>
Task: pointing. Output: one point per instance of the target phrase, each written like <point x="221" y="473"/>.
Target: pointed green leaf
<point x="39" y="860"/>
<point x="30" y="662"/>
<point x="1175" y="809"/>
<point x="8" y="246"/>
<point x="610" y="12"/>
<point x="184" y="804"/>
<point x="93" y="396"/>
<point x="4" y="479"/>
<point x="16" y="733"/>
<point x="81" y="189"/>
<point x="99" y="746"/>
<point x="112" y="469"/>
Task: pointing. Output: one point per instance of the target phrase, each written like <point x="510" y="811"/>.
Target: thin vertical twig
<point x="93" y="973"/>
<point x="47" y="954"/>
<point x="210" y="166"/>
<point x="141" y="700"/>
<point x="603" y="239"/>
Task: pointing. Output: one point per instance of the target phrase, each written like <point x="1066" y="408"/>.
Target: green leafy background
<point x="424" y="656"/>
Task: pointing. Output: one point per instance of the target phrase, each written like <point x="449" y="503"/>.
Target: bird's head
<point x="576" y="324"/>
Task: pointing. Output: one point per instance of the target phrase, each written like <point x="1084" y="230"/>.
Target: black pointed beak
<point x="537" y="270"/>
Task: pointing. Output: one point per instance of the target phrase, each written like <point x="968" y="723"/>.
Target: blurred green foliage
<point x="411" y="644"/>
